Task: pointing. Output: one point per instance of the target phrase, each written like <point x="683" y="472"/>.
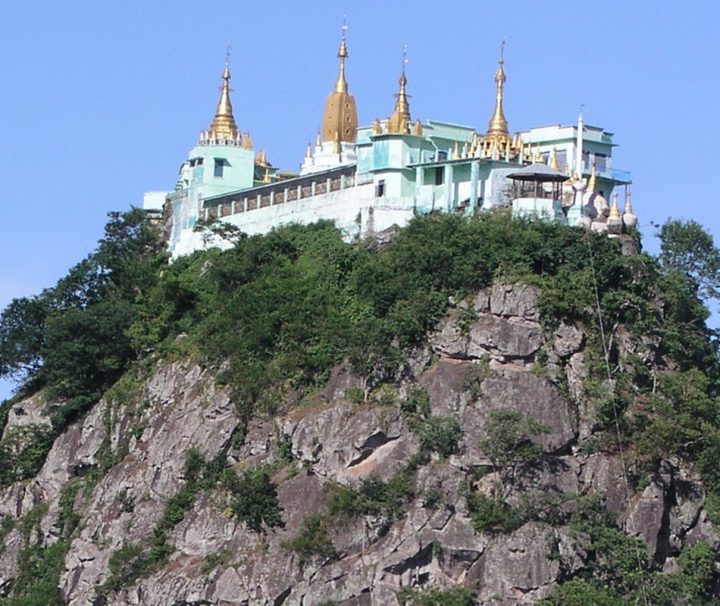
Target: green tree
<point x="687" y="247"/>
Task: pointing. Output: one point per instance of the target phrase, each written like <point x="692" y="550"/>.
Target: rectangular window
<point x="220" y="164"/>
<point x="600" y="163"/>
<point x="562" y="159"/>
<point x="439" y="175"/>
<point x="380" y="188"/>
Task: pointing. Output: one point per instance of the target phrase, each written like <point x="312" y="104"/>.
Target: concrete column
<point x="474" y="175"/>
<point x="232" y="207"/>
<point x="285" y="195"/>
<point x="450" y="187"/>
<point x="245" y="204"/>
<point x="313" y="187"/>
<point x="418" y="185"/>
<point x="272" y="197"/>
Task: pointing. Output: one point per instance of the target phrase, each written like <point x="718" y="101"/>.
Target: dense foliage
<point x="275" y="313"/>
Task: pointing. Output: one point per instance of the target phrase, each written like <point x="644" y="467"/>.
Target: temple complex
<point x="369" y="178"/>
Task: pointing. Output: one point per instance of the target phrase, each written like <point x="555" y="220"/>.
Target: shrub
<point x="213" y="560"/>
<point x="439" y="434"/>
<point x="253" y="499"/>
<point x="312" y="540"/>
<point x="457" y="596"/>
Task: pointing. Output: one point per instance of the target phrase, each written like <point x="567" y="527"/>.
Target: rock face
<point x="490" y="355"/>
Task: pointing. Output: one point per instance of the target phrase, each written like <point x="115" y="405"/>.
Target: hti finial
<point x="502" y="52"/>
<point x="405" y="57"/>
<point x="342" y="51"/>
<point x="227" y="54"/>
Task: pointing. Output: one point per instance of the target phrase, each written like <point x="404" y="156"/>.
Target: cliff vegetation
<point x="477" y="411"/>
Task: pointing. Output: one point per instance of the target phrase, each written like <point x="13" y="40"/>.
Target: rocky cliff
<point x="477" y="466"/>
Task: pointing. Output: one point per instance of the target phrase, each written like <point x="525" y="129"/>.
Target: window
<point x="600" y="163"/>
<point x="562" y="158"/>
<point x="220" y="164"/>
<point x="380" y="188"/>
<point x="439" y="175"/>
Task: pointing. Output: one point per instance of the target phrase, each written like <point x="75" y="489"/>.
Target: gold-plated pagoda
<point x="340" y="117"/>
<point x="497" y="142"/>
<point x="399" y="122"/>
<point x="615" y="209"/>
<point x="498" y="124"/>
<point x="223" y="125"/>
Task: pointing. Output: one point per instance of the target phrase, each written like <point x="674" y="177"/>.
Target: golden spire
<point x="223" y="125"/>
<point x="399" y="122"/>
<point x="246" y="141"/>
<point x="340" y="117"/>
<point x="614" y="209"/>
<point x="308" y="152"/>
<point x="377" y="127"/>
<point x="498" y="124"/>
<point x="341" y="84"/>
<point x="553" y="159"/>
<point x="417" y="129"/>
<point x="592" y="180"/>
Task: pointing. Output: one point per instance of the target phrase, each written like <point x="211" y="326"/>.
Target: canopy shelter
<point x="538" y="181"/>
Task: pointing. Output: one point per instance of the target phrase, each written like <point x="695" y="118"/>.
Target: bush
<point x="439" y="434"/>
<point x="254" y="500"/>
<point x="312" y="540"/>
<point x="213" y="560"/>
<point x="458" y="596"/>
<point x="491" y="515"/>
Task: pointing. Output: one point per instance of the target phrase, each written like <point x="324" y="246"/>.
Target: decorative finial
<point x="615" y="208"/>
<point x="341" y="84"/>
<point x="227" y="54"/>
<point x="417" y="129"/>
<point x="308" y="152"/>
<point x="498" y="125"/>
<point x="223" y="126"/>
<point x="399" y="122"/>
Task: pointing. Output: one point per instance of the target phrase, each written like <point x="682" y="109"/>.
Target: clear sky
<point x="101" y="101"/>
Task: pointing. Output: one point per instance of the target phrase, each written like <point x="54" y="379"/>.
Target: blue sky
<point x="102" y="101"/>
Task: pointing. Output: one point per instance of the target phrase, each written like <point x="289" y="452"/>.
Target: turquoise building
<point x="368" y="179"/>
